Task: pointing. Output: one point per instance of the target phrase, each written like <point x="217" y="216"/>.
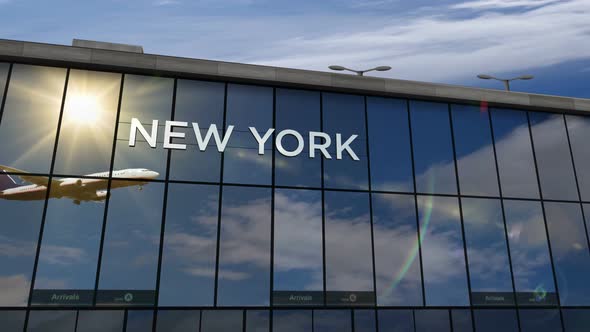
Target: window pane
<point x="397" y="256"/>
<point x="298" y="110"/>
<point x="139" y="321"/>
<point x="345" y="115"/>
<point x="579" y="131"/>
<point x="298" y="262"/>
<point x="556" y="172"/>
<point x="100" y="321"/>
<point x="396" y="321"/>
<point x="432" y="320"/>
<point x="349" y="267"/>
<point x="30" y="116"/>
<point x="131" y="244"/>
<point x="487" y="254"/>
<point x="88" y="123"/>
<point x="190" y="246"/>
<point x="531" y="264"/>
<point x="539" y="320"/>
<point x="364" y="321"/>
<point x="12" y="321"/>
<point x="476" y="165"/>
<point x="292" y="320"/>
<point x="495" y="320"/>
<point x="248" y="106"/>
<point x="257" y="321"/>
<point x="203" y="103"/>
<point x="3" y="76"/>
<point x="51" y="321"/>
<point x="462" y="320"/>
<point x="389" y="139"/>
<point x="244" y="257"/>
<point x="515" y="154"/>
<point x="145" y="98"/>
<point x="570" y="252"/>
<point x="222" y="321"/>
<point x="576" y="320"/>
<point x="21" y="213"/>
<point x="433" y="148"/>
<point x="178" y="320"/>
<point x="445" y="277"/>
<point x="332" y="321"/>
<point x="70" y="244"/>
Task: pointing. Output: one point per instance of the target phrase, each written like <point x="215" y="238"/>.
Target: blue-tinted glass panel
<point x="178" y="320"/>
<point x="248" y="106"/>
<point x="100" y="321"/>
<point x="514" y="152"/>
<point x="476" y="165"/>
<point x="495" y="320"/>
<point x="257" y="321"/>
<point x="298" y="110"/>
<point x="529" y="251"/>
<point x="190" y="246"/>
<point x="298" y="261"/>
<point x="145" y="98"/>
<point x="554" y="161"/>
<point x="244" y="257"/>
<point x="12" y="320"/>
<point x="487" y="254"/>
<point x="139" y="321"/>
<point x="131" y="243"/>
<point x="345" y="115"/>
<point x="88" y="123"/>
<point x="364" y="321"/>
<point x="461" y="319"/>
<point x="292" y="320"/>
<point x="222" y="321"/>
<point x="433" y="148"/>
<point x="539" y="320"/>
<point x="203" y="103"/>
<point x="22" y="205"/>
<point x="30" y="116"/>
<point x="569" y="247"/>
<point x="432" y="321"/>
<point x="576" y="320"/>
<point x="389" y="139"/>
<point x="579" y="133"/>
<point x="349" y="269"/>
<point x="51" y="321"/>
<point x="397" y="258"/>
<point x="445" y="277"/>
<point x="396" y="321"/>
<point x="332" y="321"/>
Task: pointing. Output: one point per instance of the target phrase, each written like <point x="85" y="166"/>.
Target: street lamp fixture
<point x="505" y="80"/>
<point x="359" y="72"/>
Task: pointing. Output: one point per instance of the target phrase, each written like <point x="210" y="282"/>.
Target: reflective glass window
<point x="364" y="321"/>
<point x="178" y="320"/>
<point x="332" y="321"/>
<point x="514" y="152"/>
<point x="292" y="320"/>
<point x="70" y="242"/>
<point x="30" y="116"/>
<point x="202" y="103"/>
<point x="476" y="165"/>
<point x="244" y="257"/>
<point x="51" y="321"/>
<point x="190" y="246"/>
<point x="300" y="111"/>
<point x="579" y="133"/>
<point x="397" y="258"/>
<point x="487" y="254"/>
<point x="396" y="321"/>
<point x="389" y="140"/>
<point x="22" y="210"/>
<point x="257" y="321"/>
<point x="222" y="321"/>
<point x="145" y="98"/>
<point x="248" y="106"/>
<point x="88" y="123"/>
<point x="529" y="251"/>
<point x="139" y="320"/>
<point x="12" y="320"/>
<point x="495" y="320"/>
<point x="349" y="268"/>
<point x="298" y="261"/>
<point x="433" y="148"/>
<point x="4" y="67"/>
<point x="100" y="321"/>
<point x="131" y="243"/>
<point x="569" y="247"/>
<point x="539" y="320"/>
<point x="556" y="172"/>
<point x="432" y="321"/>
<point x="461" y="319"/>
<point x="445" y="277"/>
<point x="345" y="115"/>
<point x="576" y="320"/>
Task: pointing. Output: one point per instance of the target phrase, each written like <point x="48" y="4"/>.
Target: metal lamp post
<point x="359" y="72"/>
<point x="505" y="80"/>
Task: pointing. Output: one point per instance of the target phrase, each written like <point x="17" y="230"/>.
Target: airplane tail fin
<point x="6" y="181"/>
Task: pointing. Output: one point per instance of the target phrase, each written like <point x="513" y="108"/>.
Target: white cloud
<point x="15" y="290"/>
<point x="501" y="4"/>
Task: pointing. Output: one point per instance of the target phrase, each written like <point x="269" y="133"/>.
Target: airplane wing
<point x="34" y="179"/>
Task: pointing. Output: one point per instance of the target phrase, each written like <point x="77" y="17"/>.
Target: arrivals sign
<point x="318" y="141"/>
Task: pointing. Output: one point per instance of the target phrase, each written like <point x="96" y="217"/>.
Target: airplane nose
<point x="155" y="174"/>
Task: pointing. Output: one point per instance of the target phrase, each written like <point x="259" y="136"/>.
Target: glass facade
<point x="140" y="203"/>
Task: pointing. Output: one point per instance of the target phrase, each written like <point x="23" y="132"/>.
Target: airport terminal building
<point x="143" y="192"/>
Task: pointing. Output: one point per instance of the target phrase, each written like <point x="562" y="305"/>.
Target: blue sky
<point x="426" y="40"/>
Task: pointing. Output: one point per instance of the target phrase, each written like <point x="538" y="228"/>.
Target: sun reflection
<point x="84" y="109"/>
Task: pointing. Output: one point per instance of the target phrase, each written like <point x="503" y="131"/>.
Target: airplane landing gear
<point x="77" y="202"/>
<point x="140" y="188"/>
